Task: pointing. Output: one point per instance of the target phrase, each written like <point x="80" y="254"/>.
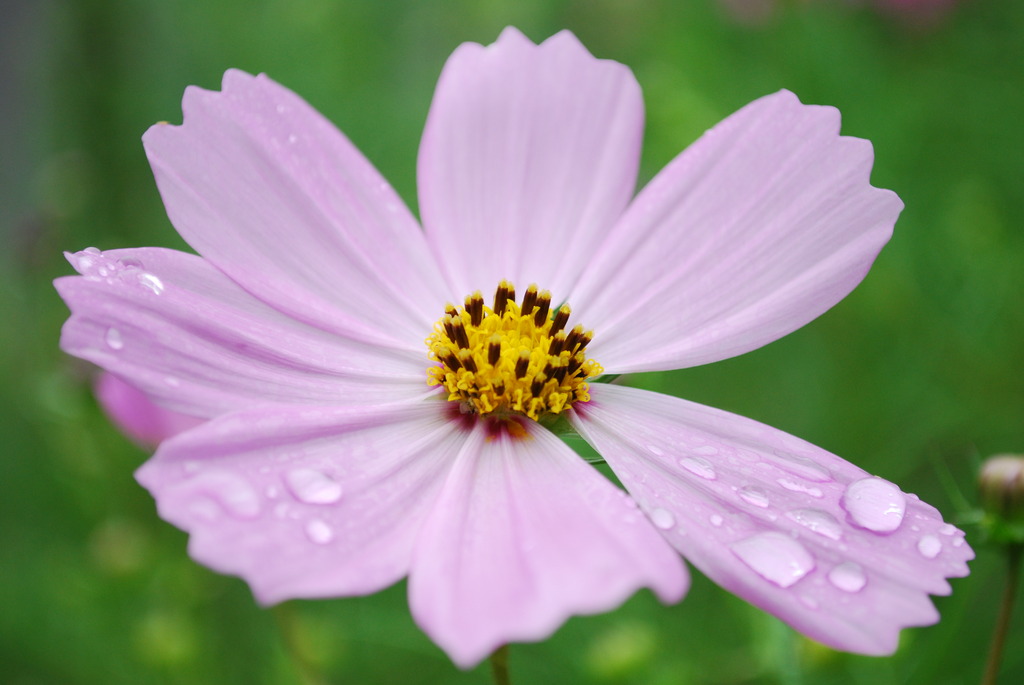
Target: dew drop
<point x="663" y="518"/>
<point x="716" y="520"/>
<point x="312" y="486"/>
<point x="821" y="522"/>
<point x="656" y="451"/>
<point x="848" y="577"/>
<point x="292" y="138"/>
<point x="754" y="495"/>
<point x="774" y="556"/>
<point x="948" y="529"/>
<point x="151" y="282"/>
<point x="706" y="450"/>
<point x="875" y="504"/>
<point x="929" y="546"/>
<point x="699" y="467"/>
<point x="809" y="602"/>
<point x="114" y="339"/>
<point x="319" y="532"/>
<point x="797" y="486"/>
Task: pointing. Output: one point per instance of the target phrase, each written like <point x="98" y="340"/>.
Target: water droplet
<point x="809" y="601"/>
<point x="706" y="450"/>
<point x="948" y="529"/>
<point x="821" y="522"/>
<point x="312" y="486"/>
<point x="848" y="577"/>
<point x="754" y="495"/>
<point x="716" y="520"/>
<point x="958" y="542"/>
<point x="292" y="138"/>
<point x="319" y="532"/>
<point x="114" y="339"/>
<point x="656" y="451"/>
<point x="797" y="486"/>
<point x="172" y="381"/>
<point x="929" y="546"/>
<point x="802" y="466"/>
<point x="151" y="282"/>
<point x="662" y="518"/>
<point x="699" y="467"/>
<point x="875" y="504"/>
<point x="774" y="556"/>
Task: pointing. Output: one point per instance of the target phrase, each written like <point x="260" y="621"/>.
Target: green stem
<point x="995" y="655"/>
<point x="288" y="626"/>
<point x="499" y="666"/>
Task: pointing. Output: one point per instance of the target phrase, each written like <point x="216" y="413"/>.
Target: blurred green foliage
<point x="915" y="376"/>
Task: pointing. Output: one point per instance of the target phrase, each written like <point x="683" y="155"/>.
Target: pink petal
<point x="135" y="414"/>
<point x="524" y="535"/>
<point x="276" y="197"/>
<point x="306" y="501"/>
<point x="189" y="337"/>
<point x="843" y="557"/>
<point x="529" y="155"/>
<point x="757" y="228"/>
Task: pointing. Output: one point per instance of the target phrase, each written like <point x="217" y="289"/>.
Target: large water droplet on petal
<point x="699" y="467"/>
<point x="151" y="282"/>
<point x="821" y="522"/>
<point x="754" y="495"/>
<point x="929" y="546"/>
<point x="875" y="504"/>
<point x="716" y="520"/>
<point x="319" y="532"/>
<point x="774" y="556"/>
<point x="848" y="577"/>
<point x="662" y="518"/>
<point x="312" y="486"/>
<point x="114" y="339"/>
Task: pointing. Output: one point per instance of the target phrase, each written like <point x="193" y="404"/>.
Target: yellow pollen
<point x="511" y="359"/>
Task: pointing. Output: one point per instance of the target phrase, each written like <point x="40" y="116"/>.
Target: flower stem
<point x="499" y="666"/>
<point x="291" y="637"/>
<point x="995" y="655"/>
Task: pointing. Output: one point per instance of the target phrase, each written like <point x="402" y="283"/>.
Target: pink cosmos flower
<point x="343" y="454"/>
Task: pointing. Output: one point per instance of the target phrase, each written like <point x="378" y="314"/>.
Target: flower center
<point x="511" y="358"/>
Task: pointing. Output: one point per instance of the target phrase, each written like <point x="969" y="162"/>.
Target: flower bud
<point x="1001" y="485"/>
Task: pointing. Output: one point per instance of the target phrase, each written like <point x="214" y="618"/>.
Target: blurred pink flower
<point x="136" y="415"/>
<point x="342" y="454"/>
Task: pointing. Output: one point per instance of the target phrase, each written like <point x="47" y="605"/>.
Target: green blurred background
<point x="916" y="376"/>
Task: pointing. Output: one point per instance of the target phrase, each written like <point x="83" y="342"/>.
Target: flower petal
<point x="306" y="501"/>
<point x="757" y="228"/>
<point x="135" y="414"/>
<point x="272" y="194"/>
<point x="190" y="338"/>
<point x="843" y="557"/>
<point x="524" y="535"/>
<point x="529" y="155"/>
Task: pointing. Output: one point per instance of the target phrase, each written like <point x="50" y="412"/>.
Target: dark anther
<point x="549" y="368"/>
<point x="561" y="318"/>
<point x="561" y="370"/>
<point x="573" y="338"/>
<point x="450" y="310"/>
<point x="449" y="359"/>
<point x="459" y="329"/>
<point x="538" y="384"/>
<point x="449" y="328"/>
<point x="558" y="343"/>
<point x="543" y="307"/>
<point x="576" y="363"/>
<point x="529" y="300"/>
<point x="466" y="358"/>
<point x="494" y="349"/>
<point x="506" y="291"/>
<point x="499" y="387"/>
<point x="585" y="339"/>
<point x="523" y="363"/>
<point x="475" y="307"/>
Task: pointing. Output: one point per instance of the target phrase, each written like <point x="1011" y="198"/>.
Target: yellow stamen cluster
<point x="511" y="358"/>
